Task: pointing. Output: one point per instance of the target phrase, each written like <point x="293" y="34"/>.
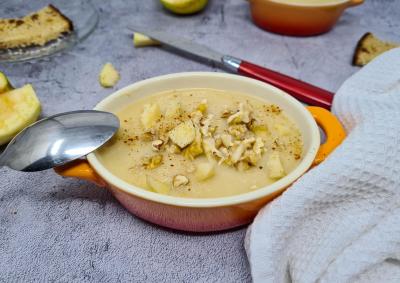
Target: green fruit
<point x="18" y="109"/>
<point x="184" y="7"/>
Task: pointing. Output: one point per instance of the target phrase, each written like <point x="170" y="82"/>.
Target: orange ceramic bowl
<point x="209" y="214"/>
<point x="304" y="18"/>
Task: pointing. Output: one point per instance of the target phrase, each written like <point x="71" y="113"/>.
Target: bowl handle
<point x="80" y="169"/>
<point x="352" y="3"/>
<point x="334" y="132"/>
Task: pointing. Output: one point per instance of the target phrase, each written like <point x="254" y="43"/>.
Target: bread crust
<point x="34" y="29"/>
<point x="359" y="48"/>
<point x="70" y="24"/>
<point x="368" y="47"/>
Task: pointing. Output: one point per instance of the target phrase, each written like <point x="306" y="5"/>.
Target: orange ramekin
<point x="209" y="214"/>
<point x="299" y="19"/>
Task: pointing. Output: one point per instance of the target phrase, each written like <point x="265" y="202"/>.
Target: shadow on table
<point x="77" y="189"/>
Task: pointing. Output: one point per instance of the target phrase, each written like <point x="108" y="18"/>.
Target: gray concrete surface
<point x="54" y="229"/>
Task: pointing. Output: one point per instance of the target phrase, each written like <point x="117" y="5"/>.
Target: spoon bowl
<point x="59" y="139"/>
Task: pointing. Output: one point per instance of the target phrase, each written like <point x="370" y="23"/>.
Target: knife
<point x="303" y="91"/>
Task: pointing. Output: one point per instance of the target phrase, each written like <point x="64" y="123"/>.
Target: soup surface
<point x="202" y="143"/>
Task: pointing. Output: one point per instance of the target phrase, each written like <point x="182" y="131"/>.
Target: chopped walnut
<point x="237" y="153"/>
<point x="237" y="130"/>
<point x="234" y="118"/>
<point x="224" y="151"/>
<point x="196" y="117"/>
<point x="224" y="155"/>
<point x="242" y="116"/>
<point x="226" y="112"/>
<point x="226" y="140"/>
<point x="218" y="141"/>
<point x="205" y="124"/>
<point x="242" y="166"/>
<point x="164" y="137"/>
<point x="258" y="147"/>
<point x="180" y="180"/>
<point x="156" y="145"/>
<point x="212" y="129"/>
<point x="251" y="157"/>
<point x="254" y="155"/>
<point x="248" y="143"/>
<point x="210" y="148"/>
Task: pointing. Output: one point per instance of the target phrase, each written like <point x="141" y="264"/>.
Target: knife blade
<point x="303" y="91"/>
<point x="183" y="45"/>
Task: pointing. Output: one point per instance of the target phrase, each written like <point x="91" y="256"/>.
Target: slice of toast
<point x="36" y="28"/>
<point x="369" y="47"/>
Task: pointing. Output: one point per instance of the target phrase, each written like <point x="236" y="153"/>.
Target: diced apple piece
<point x="183" y="134"/>
<point x="157" y="186"/>
<point x="195" y="148"/>
<point x="202" y="107"/>
<point x="173" y="110"/>
<point x="274" y="166"/>
<point x="141" y="40"/>
<point x="204" y="171"/>
<point x="109" y="76"/>
<point x="18" y="109"/>
<point x="151" y="113"/>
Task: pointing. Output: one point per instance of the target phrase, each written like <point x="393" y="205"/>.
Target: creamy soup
<point x="202" y="143"/>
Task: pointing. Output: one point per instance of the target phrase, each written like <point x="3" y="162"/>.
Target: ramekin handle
<point x="333" y="129"/>
<point x="355" y="3"/>
<point x="80" y="169"/>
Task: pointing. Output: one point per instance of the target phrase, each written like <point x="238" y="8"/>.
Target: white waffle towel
<point x="340" y="222"/>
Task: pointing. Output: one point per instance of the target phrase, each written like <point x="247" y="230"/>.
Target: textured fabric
<point x="341" y="221"/>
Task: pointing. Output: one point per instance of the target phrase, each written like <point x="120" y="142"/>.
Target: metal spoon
<point x="58" y="139"/>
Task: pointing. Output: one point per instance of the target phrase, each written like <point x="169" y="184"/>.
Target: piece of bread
<point x="37" y="28"/>
<point x="369" y="47"/>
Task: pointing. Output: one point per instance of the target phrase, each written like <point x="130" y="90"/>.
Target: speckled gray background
<point x="54" y="229"/>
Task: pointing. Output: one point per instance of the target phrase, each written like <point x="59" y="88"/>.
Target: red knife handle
<point x="303" y="91"/>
